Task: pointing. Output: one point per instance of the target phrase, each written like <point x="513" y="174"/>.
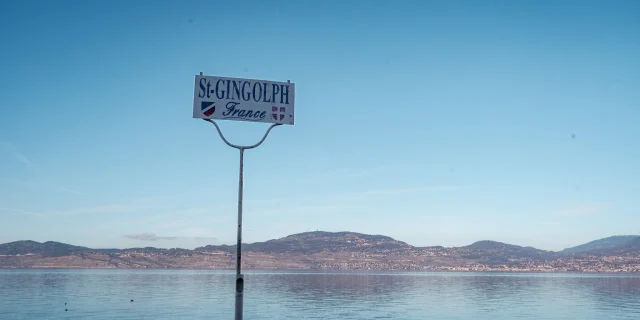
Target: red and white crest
<point x="277" y="113"/>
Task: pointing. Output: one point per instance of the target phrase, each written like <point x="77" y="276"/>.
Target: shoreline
<point x="335" y="271"/>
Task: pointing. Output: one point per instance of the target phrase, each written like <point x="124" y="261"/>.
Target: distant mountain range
<point x="319" y="241"/>
<point x="603" y="246"/>
<point x="333" y="250"/>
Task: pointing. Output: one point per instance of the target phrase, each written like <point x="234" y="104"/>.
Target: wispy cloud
<point x="154" y="237"/>
<point x="363" y="171"/>
<point x="20" y="211"/>
<point x="22" y="158"/>
<point x="352" y="172"/>
<point x="304" y="210"/>
<point x="583" y="210"/>
<point x="147" y="237"/>
<point x="135" y="205"/>
<point x="111" y="208"/>
<point x="15" y="153"/>
<point x="49" y="187"/>
<point x="401" y="190"/>
<point x="412" y="190"/>
<point x="66" y="190"/>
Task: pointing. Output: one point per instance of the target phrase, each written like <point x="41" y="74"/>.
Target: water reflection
<point x="352" y="287"/>
<point x="344" y="296"/>
<point x="184" y="294"/>
<point x="613" y="294"/>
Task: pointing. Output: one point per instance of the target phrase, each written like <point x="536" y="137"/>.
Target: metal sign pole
<point x="239" y="275"/>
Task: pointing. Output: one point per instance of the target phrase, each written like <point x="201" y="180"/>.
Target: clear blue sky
<point x="434" y="122"/>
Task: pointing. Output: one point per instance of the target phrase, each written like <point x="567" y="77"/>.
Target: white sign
<point x="243" y="100"/>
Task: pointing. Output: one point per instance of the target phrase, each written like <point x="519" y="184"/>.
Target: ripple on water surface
<point x="188" y="294"/>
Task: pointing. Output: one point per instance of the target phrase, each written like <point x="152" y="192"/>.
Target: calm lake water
<point x="186" y="294"/>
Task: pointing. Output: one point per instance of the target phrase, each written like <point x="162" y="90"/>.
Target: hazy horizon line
<point x="225" y="243"/>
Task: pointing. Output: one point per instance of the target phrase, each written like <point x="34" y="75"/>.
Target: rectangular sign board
<point x="223" y="98"/>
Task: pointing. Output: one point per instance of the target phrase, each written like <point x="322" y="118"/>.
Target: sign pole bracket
<point x="239" y="276"/>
